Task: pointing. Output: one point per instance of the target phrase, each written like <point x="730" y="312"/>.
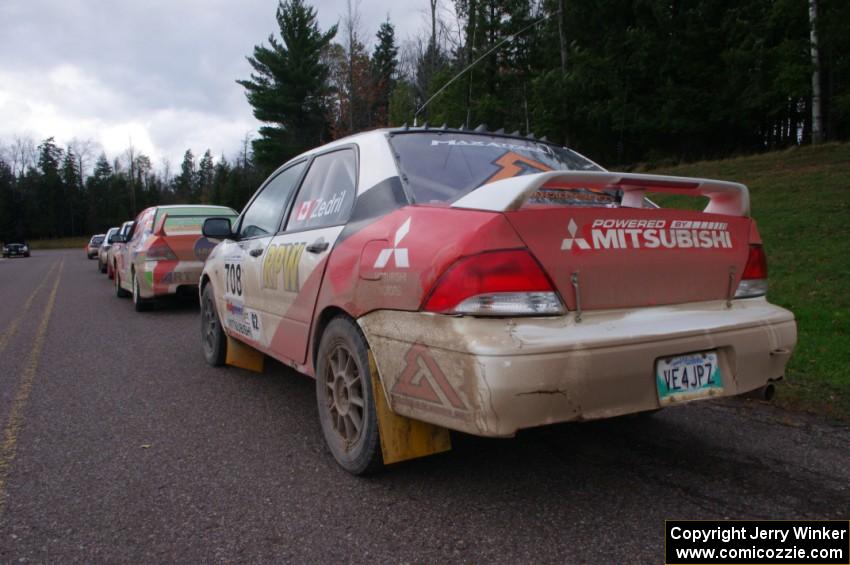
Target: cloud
<point x="160" y="73"/>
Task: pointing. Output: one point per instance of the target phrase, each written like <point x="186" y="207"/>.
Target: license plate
<point x="688" y="377"/>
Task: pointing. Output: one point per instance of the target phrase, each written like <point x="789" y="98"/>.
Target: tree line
<point x="623" y="81"/>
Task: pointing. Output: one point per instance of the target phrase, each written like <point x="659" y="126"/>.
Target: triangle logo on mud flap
<point x="422" y="378"/>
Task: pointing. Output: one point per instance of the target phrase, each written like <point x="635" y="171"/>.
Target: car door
<point x="242" y="305"/>
<point x="294" y="263"/>
<point x="122" y="254"/>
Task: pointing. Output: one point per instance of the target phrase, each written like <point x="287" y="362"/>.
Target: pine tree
<point x="205" y="177"/>
<point x="384" y="64"/>
<point x="185" y="184"/>
<point x="289" y="86"/>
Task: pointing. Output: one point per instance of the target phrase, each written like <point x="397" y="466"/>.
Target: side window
<point x="327" y="193"/>
<point x="263" y="215"/>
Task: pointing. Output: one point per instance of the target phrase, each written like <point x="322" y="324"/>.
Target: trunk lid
<point x="636" y="257"/>
<point x="593" y="230"/>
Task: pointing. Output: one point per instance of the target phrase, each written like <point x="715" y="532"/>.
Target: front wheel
<point x="213" y="340"/>
<point x="345" y="398"/>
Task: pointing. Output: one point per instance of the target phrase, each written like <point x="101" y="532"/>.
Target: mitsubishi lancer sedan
<point x="488" y="283"/>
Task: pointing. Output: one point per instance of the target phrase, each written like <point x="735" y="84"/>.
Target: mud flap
<point x="243" y="356"/>
<point x="403" y="438"/>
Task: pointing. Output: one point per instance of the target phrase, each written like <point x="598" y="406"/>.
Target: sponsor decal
<point x="320" y="207"/>
<point x="572" y="197"/>
<point x="513" y="165"/>
<point x="493" y="144"/>
<point x="579" y="242"/>
<point x="423" y="379"/>
<point x="176" y="277"/>
<point x="243" y="321"/>
<point x="398" y="254"/>
<point x="611" y="233"/>
<point x="283" y="258"/>
<point x="203" y="248"/>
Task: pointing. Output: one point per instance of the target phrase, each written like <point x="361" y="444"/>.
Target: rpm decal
<point x="283" y="259"/>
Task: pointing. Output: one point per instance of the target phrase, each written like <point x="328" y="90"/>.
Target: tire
<point x="119" y="292"/>
<point x="342" y="374"/>
<point x="139" y="303"/>
<point x="213" y="340"/>
<point x="101" y="266"/>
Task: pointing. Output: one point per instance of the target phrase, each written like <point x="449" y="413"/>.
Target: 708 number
<point x="233" y="279"/>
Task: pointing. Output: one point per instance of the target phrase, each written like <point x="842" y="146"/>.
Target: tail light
<point x="754" y="280"/>
<point x="498" y="283"/>
<point x="159" y="251"/>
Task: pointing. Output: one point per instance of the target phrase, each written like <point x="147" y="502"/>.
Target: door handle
<point x="256" y="252"/>
<point x="317" y="246"/>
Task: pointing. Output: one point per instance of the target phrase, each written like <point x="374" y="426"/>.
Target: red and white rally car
<point x="487" y="283"/>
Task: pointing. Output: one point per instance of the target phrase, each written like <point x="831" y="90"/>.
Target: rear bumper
<point x="492" y="377"/>
<point x="166" y="277"/>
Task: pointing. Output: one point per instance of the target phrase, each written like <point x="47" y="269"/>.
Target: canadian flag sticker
<point x="304" y="210"/>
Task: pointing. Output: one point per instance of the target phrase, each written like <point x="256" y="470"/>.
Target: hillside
<point x="801" y="200"/>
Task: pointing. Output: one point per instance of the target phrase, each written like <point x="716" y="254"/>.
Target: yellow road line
<point x="13" y="326"/>
<point x="16" y="417"/>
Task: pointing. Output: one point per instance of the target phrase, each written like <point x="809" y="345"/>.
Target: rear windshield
<point x="195" y="211"/>
<point x="189" y="220"/>
<point x="97" y="239"/>
<point x="443" y="167"/>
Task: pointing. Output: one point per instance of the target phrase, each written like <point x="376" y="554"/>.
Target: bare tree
<point x="84" y="151"/>
<point x="23" y="154"/>
<point x="817" y="117"/>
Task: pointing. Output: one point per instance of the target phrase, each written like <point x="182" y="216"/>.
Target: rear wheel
<point x="345" y="398"/>
<point x="119" y="292"/>
<point x="213" y="340"/>
<point x="139" y="303"/>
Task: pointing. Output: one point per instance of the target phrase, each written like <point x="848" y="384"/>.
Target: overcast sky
<point x="158" y="72"/>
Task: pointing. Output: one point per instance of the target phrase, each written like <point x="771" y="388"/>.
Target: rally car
<point x="103" y="250"/>
<point x="93" y="246"/>
<point x="116" y="242"/>
<point x="16" y="248"/>
<point x="163" y="252"/>
<point x="434" y="279"/>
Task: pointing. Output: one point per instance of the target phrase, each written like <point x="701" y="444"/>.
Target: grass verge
<point x="59" y="243"/>
<point x="801" y="201"/>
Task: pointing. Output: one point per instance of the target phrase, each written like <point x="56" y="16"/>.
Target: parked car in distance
<point x="103" y="250"/>
<point x="164" y="252"/>
<point x="119" y="242"/>
<point x="93" y="245"/>
<point x="488" y="283"/>
<point x="16" y="248"/>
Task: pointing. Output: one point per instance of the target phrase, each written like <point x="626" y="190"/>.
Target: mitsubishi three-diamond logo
<point x="579" y="242"/>
<point x="398" y="254"/>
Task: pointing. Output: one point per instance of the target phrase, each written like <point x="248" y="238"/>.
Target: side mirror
<point x="217" y="228"/>
<point x="117" y="238"/>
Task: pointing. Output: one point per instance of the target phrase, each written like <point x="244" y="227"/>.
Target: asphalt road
<point x="121" y="445"/>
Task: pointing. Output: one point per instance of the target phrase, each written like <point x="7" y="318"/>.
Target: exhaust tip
<point x="768" y="392"/>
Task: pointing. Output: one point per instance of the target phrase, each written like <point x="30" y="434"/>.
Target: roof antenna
<point x="478" y="60"/>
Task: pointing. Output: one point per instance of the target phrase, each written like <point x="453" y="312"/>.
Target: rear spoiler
<point x="159" y="229"/>
<point x="510" y="194"/>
